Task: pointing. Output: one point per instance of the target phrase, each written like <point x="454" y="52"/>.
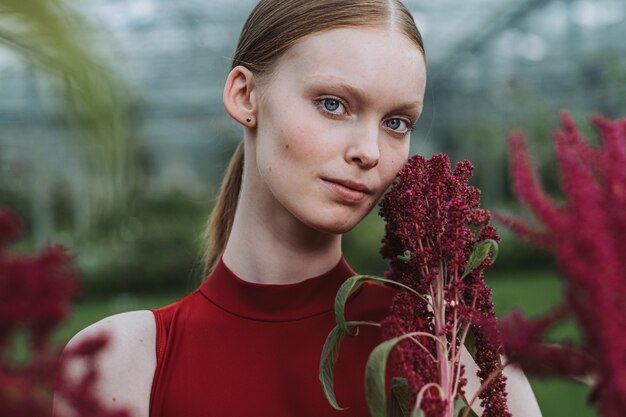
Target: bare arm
<point x="521" y="399"/>
<point x="125" y="367"/>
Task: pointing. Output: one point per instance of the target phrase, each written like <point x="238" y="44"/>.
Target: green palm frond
<point x="53" y="37"/>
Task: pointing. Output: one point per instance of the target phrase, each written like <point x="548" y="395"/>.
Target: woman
<point x="327" y="92"/>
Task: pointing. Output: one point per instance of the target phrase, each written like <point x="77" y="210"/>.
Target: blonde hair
<point x="270" y="30"/>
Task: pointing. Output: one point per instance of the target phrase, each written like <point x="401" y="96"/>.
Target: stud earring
<point x="248" y="119"/>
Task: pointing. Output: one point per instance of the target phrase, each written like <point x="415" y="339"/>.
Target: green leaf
<point x="405" y="257"/>
<point x="470" y="414"/>
<point x="480" y="252"/>
<point x="399" y="397"/>
<point x="375" y="376"/>
<point x="460" y="405"/>
<point x="330" y="353"/>
<point x="348" y="287"/>
<point x="470" y="343"/>
<point x="417" y="412"/>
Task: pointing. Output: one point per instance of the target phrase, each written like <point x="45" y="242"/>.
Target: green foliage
<point x="479" y="254"/>
<point x="515" y="254"/>
<point x="330" y="354"/>
<point x="156" y="248"/>
<point x="347" y="288"/>
<point x="14" y="197"/>
<point x="406" y="256"/>
<point x="399" y="397"/>
<point x="534" y="292"/>
<point x="460" y="407"/>
<point x="375" y="371"/>
<point x="54" y="38"/>
<point x="359" y="245"/>
<point x="470" y="343"/>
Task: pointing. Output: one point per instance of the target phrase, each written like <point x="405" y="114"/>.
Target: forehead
<point x="366" y="57"/>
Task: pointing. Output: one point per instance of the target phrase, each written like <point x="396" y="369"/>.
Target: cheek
<point x="302" y="144"/>
<point x="292" y="148"/>
<point x="288" y="155"/>
<point x="295" y="131"/>
<point x="394" y="163"/>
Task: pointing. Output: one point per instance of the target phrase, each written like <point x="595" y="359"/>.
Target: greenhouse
<point x="114" y="138"/>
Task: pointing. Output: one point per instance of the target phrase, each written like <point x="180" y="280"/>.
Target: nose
<point x="363" y="149"/>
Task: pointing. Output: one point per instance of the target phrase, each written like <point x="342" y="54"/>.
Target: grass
<point x="533" y="292"/>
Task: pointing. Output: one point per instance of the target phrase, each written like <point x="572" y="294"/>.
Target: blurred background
<point x="113" y="137"/>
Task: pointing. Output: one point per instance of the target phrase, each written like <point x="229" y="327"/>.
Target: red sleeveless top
<point x="233" y="348"/>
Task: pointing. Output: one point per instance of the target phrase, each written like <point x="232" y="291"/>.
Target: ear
<point x="240" y="96"/>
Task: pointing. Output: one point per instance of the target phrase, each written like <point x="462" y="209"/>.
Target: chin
<point x="340" y="224"/>
<point x="334" y="229"/>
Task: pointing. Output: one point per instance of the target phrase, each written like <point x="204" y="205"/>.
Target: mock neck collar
<point x="275" y="302"/>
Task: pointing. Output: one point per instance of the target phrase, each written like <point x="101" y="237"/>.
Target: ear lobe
<point x="240" y="96"/>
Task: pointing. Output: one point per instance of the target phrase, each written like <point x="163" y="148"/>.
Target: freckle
<point x="114" y="399"/>
<point x="141" y="340"/>
<point x="287" y="146"/>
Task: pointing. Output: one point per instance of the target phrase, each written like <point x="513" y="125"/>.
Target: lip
<point x="347" y="190"/>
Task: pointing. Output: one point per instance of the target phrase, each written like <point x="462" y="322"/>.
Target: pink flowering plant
<point x="439" y="243"/>
<point x="35" y="295"/>
<point x="587" y="235"/>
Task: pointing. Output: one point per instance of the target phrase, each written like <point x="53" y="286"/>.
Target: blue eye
<point x="396" y="124"/>
<point x="331" y="105"/>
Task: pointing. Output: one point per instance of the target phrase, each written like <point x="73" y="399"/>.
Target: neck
<point x="278" y="251"/>
<point x="269" y="245"/>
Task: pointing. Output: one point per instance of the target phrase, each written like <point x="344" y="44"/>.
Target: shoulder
<point x="126" y="365"/>
<point x="130" y="335"/>
<point x="128" y="323"/>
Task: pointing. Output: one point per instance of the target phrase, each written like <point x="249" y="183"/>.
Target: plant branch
<point x="420" y="394"/>
<point x="425" y="348"/>
<point x="484" y="385"/>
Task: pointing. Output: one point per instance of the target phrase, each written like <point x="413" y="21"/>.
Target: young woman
<point x="327" y="92"/>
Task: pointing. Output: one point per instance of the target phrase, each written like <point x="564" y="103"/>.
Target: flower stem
<point x="420" y="296"/>
<point x="484" y="385"/>
<point x="420" y="395"/>
<point x="457" y="374"/>
<point x="425" y="349"/>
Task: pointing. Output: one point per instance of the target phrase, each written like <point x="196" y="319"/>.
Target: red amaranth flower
<point x="35" y="292"/>
<point x="431" y="215"/>
<point x="410" y="314"/>
<point x="525" y="346"/>
<point x="586" y="234"/>
<point x="35" y="295"/>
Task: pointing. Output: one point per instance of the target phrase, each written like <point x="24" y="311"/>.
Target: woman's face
<point x="333" y="124"/>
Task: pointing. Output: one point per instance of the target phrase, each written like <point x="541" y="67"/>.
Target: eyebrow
<point x="360" y="94"/>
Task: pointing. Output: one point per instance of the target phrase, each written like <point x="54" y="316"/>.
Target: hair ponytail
<point x="221" y="220"/>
